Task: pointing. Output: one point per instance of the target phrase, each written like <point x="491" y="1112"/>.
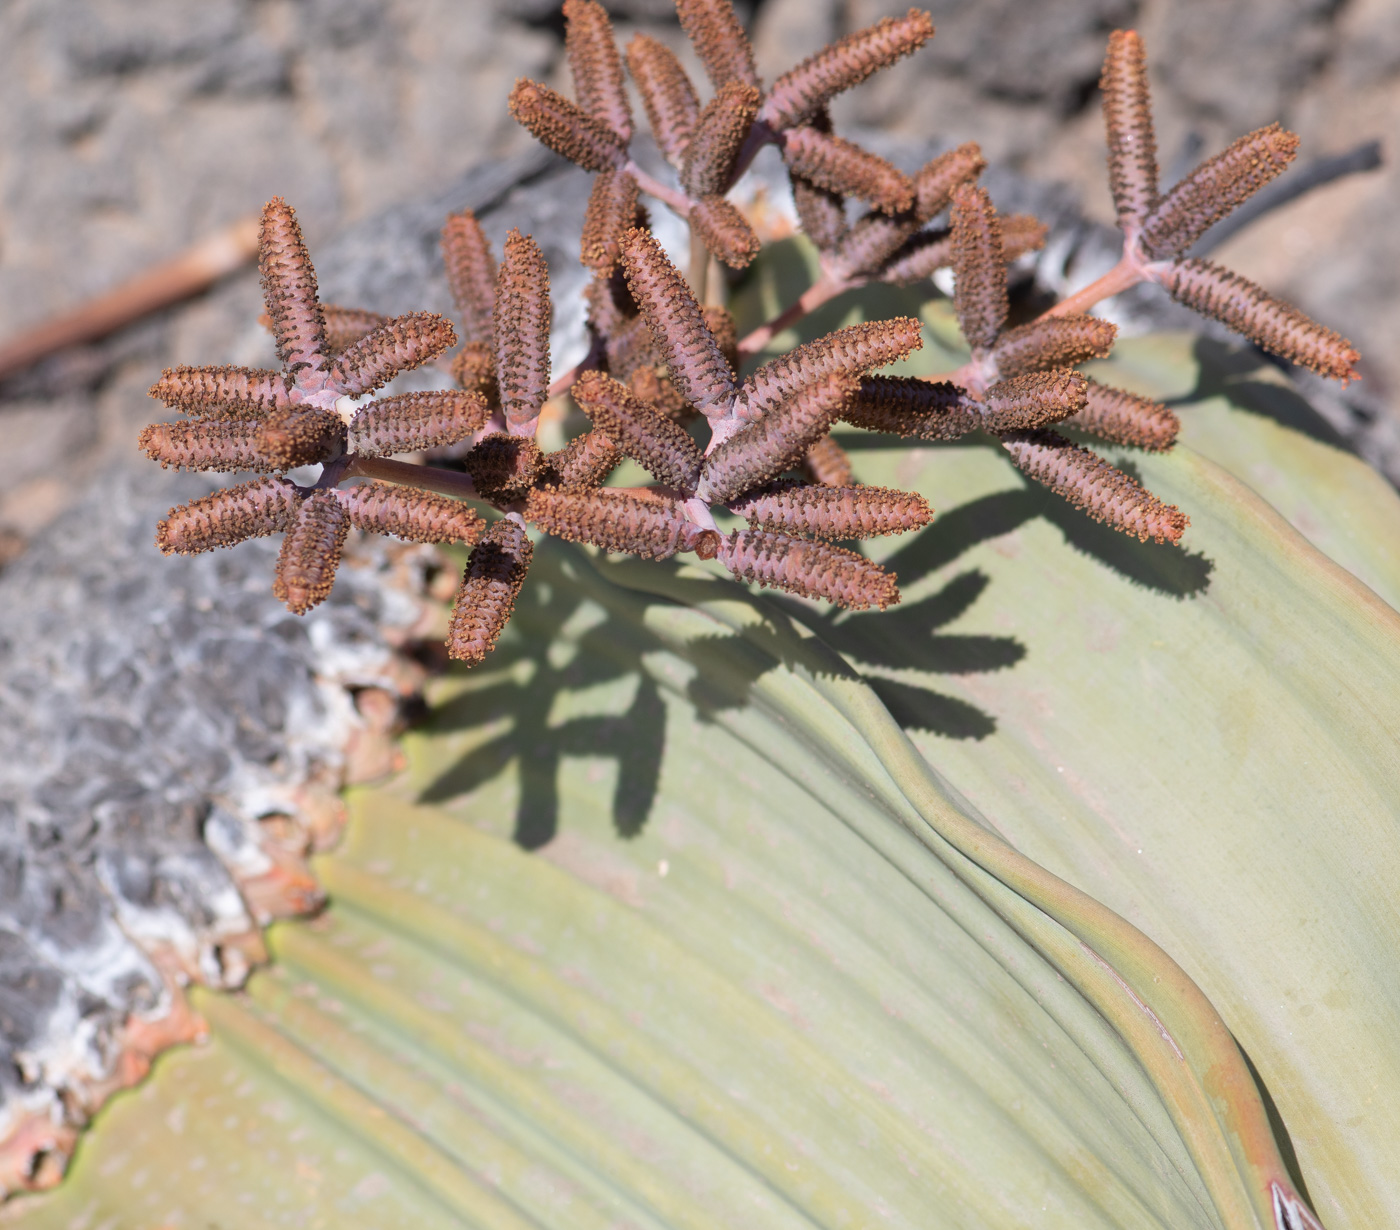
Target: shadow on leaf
<point x="577" y="632"/>
<point x="549" y="657"/>
<point x="1287" y="1150"/>
<point x="1224" y="371"/>
<point x="1159" y="566"/>
<point x="917" y="708"/>
<point x="908" y="637"/>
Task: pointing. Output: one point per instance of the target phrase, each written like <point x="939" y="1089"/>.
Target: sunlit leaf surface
<point x="648" y="935"/>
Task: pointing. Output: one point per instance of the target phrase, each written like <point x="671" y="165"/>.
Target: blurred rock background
<point x="132" y="128"/>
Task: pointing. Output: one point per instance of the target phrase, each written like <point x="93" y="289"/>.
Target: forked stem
<point x="1126" y="274"/>
<point x="672" y="197"/>
<point x="698" y="274"/>
<point x="430" y="478"/>
<point x="824" y="289"/>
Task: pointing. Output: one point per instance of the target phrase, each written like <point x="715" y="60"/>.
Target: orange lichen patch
<point x="142" y="1038"/>
<point x="239" y="953"/>
<point x="286" y="889"/>
<point x="35" y="1154"/>
<point x="373" y="752"/>
<point x="320" y="814"/>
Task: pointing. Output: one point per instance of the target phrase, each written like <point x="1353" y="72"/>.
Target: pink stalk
<point x="445" y="482"/>
<point x="824" y="289"/>
<point x="1133" y="266"/>
<point x="673" y="197"/>
<point x="698" y="511"/>
<point x="721" y="430"/>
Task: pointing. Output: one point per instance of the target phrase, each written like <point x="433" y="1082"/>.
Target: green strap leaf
<point x="696" y="908"/>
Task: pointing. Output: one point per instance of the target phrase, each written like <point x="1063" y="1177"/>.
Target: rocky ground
<point x="172" y="741"/>
<point x="131" y="128"/>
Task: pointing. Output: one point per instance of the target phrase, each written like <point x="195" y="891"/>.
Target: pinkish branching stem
<point x="430" y="478"/>
<point x="698" y="512"/>
<point x="586" y="364"/>
<point x="968" y="377"/>
<point x="566" y="381"/>
<point x="673" y="197"/>
<point x="759" y="136"/>
<point x="699" y="273"/>
<point x="1124" y="275"/>
<point x="333" y="472"/>
<point x="824" y="289"/>
<point x="1133" y="266"/>
<point x="721" y="429"/>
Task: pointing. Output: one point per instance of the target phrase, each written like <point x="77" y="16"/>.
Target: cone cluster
<point x="1162" y="228"/>
<point x="662" y="385"/>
